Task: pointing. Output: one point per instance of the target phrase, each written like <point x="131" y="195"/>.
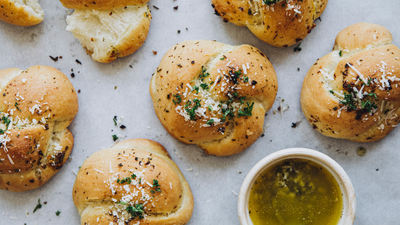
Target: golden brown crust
<point x="366" y="49"/>
<point x="39" y="104"/>
<point x="16" y="14"/>
<point x="280" y="24"/>
<point x="180" y="70"/>
<point x="100" y="4"/>
<point x="96" y="190"/>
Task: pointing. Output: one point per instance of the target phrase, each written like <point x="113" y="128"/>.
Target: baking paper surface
<point x="116" y="89"/>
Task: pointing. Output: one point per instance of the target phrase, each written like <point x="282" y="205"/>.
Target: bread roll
<point x="109" y="34"/>
<point x="134" y="182"/>
<point x="353" y="92"/>
<point x="37" y="105"/>
<point x="280" y="23"/>
<point x="214" y="95"/>
<point x="100" y="4"/>
<point x="21" y="12"/>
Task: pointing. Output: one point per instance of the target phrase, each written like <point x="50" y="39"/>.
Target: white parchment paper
<point x="116" y="89"/>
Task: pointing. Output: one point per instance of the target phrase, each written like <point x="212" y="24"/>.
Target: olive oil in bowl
<point x="295" y="192"/>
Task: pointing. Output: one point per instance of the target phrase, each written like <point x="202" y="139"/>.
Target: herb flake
<point x="38" y="206"/>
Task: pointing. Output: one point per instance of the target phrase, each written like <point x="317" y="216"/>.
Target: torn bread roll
<point x="110" y="33"/>
<point x="280" y="23"/>
<point x="100" y="4"/>
<point x="353" y="92"/>
<point x="21" y="12"/>
<point x="37" y="105"/>
<point x="214" y="95"/>
<point x="134" y="182"/>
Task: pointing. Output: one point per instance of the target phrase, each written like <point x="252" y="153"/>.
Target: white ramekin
<point x="349" y="197"/>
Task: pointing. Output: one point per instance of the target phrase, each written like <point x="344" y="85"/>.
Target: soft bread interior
<point x="100" y="31"/>
<point x="30" y="6"/>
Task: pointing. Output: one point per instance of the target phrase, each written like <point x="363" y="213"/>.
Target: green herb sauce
<point x="295" y="192"/>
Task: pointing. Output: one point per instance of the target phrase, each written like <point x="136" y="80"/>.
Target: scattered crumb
<point x="55" y="59"/>
<point x="361" y="151"/>
<point x="177" y="154"/>
<point x="296" y="124"/>
<point x="68" y="11"/>
<point x="341" y="152"/>
<point x="281" y="107"/>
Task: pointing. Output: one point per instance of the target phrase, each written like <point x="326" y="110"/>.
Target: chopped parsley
<point x="58" y="213"/>
<point x="196" y="88"/>
<point x="226" y="112"/>
<point x="297" y="48"/>
<point x="210" y="122"/>
<point x="246" y="110"/>
<point x="115" y="120"/>
<point x="115" y="137"/>
<point x="6" y="121"/>
<point x="205" y="86"/>
<point x="136" y="211"/>
<point x="369" y="81"/>
<point x="270" y="2"/>
<point x="1" y="131"/>
<point x="38" y="206"/>
<point x="16" y="106"/>
<point x="242" y="99"/>
<point x="238" y="73"/>
<point x="210" y="108"/>
<point x="367" y="106"/>
<point x="348" y="101"/>
<point x="340" y="53"/>
<point x="235" y="75"/>
<point x="203" y="73"/>
<point x="245" y="79"/>
<point x="156" y="185"/>
<point x="332" y="92"/>
<point x="372" y="95"/>
<point x="125" y="180"/>
<point x="192" y="111"/>
<point x="178" y="99"/>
